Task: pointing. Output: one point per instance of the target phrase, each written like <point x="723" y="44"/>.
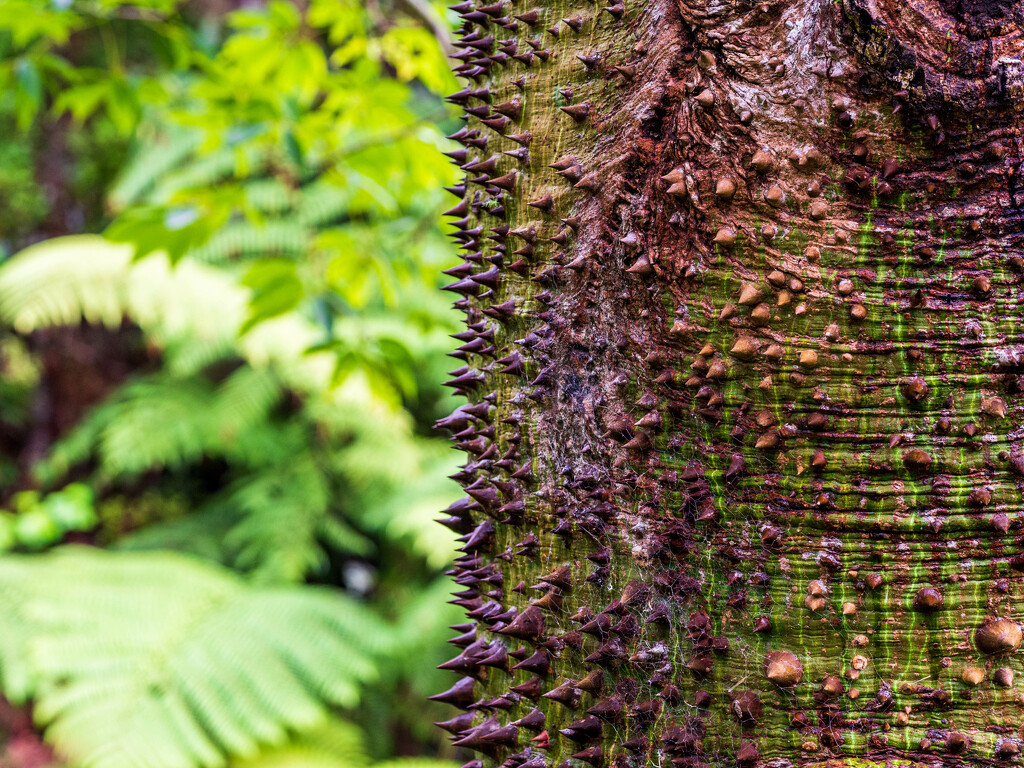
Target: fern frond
<point x="68" y="280"/>
<point x="272" y="524"/>
<point x="408" y="512"/>
<point x="280" y="511"/>
<point x="192" y="310"/>
<point x="284" y="514"/>
<point x="155" y="423"/>
<point x="270" y="196"/>
<point x="323" y="202"/>
<point x="335" y="744"/>
<point x="159" y="155"/>
<point x="110" y="431"/>
<point x="244" y="400"/>
<point x="241" y="240"/>
<point x="207" y="169"/>
<point x="158" y="660"/>
<point x="167" y="422"/>
<point x="200" y="533"/>
<point x="65" y="281"/>
<point x="147" y="424"/>
<point x="415" y="762"/>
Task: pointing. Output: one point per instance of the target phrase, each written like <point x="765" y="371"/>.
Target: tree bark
<point x="744" y="365"/>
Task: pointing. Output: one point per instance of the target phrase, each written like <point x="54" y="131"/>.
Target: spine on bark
<point x="743" y="368"/>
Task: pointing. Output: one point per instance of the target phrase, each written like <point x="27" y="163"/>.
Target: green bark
<point x="744" y="369"/>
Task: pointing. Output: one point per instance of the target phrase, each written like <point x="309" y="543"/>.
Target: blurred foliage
<point x="158" y="660"/>
<point x="220" y="348"/>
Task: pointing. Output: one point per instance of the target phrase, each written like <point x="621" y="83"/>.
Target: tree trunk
<point x="743" y="361"/>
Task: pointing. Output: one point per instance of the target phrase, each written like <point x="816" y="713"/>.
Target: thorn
<point x="457" y="724"/>
<point x="642" y="266"/>
<point x="578" y="112"/>
<point x="590" y="182"/>
<point x="534" y="720"/>
<point x="546" y="203"/>
<point x="593" y="755"/>
<point x="506" y="182"/>
<point x="530" y="18"/>
<point x="539" y="663"/>
<point x="513" y="108"/>
<point x="459" y="695"/>
<point x="522" y="154"/>
<point x="497" y="124"/>
<point x="529" y="625"/>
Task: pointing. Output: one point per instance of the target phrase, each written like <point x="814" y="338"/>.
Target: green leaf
<point x="284" y="512"/>
<point x="71" y="509"/>
<point x="335" y="744"/>
<point x="30" y="90"/>
<point x="276" y="289"/>
<point x="175" y="230"/>
<point x="159" y="660"/>
<point x="8" y="534"/>
<point x="35" y="529"/>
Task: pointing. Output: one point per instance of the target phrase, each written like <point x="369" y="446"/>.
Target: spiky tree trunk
<point x="743" y="362"/>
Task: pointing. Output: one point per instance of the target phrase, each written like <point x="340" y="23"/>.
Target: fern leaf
<point x="415" y="762"/>
<point x="323" y="202"/>
<point x="284" y="513"/>
<point x="244" y="400"/>
<point x="242" y="240"/>
<point x="157" y="423"/>
<point x="167" y="422"/>
<point x="404" y="508"/>
<point x="158" y="660"/>
<point x="192" y="310"/>
<point x="200" y="534"/>
<point x="270" y="196"/>
<point x="156" y="158"/>
<point x="207" y="169"/>
<point x="61" y="282"/>
<point x="271" y="523"/>
<point x="84" y="277"/>
<point x="335" y="744"/>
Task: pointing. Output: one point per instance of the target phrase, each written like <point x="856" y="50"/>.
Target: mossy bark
<point x="743" y="361"/>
